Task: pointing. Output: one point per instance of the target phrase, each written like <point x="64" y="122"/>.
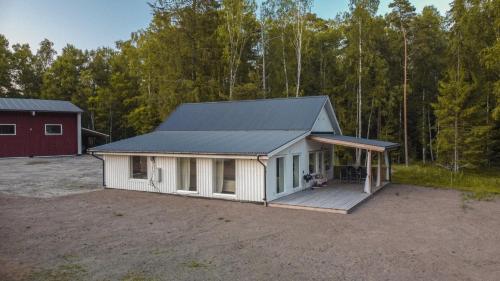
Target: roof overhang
<point x="353" y="142"/>
<point x="180" y="155"/>
<point x="94" y="133"/>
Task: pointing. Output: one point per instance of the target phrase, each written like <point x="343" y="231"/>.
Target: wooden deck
<point x="335" y="198"/>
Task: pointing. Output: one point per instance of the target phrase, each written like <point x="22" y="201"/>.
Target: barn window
<point x="225" y="176"/>
<point x="53" y="129"/>
<point x="139" y="167"/>
<point x="8" y="129"/>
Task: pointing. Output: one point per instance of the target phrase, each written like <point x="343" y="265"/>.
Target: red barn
<point x="31" y="127"/>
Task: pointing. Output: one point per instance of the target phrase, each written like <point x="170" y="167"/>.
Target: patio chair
<point x="353" y="174"/>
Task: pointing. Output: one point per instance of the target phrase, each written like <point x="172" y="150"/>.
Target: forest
<point x="427" y="81"/>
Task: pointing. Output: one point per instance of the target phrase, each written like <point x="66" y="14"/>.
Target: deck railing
<point x="352" y="174"/>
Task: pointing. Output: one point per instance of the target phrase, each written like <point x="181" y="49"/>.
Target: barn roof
<point x="11" y="104"/>
<point x="203" y="142"/>
<point x="264" y="114"/>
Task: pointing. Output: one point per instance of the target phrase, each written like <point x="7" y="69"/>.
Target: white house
<point x="252" y="150"/>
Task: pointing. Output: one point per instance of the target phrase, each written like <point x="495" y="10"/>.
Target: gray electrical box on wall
<point x="158" y="174"/>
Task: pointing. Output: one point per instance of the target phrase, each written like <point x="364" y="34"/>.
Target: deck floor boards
<point x="336" y="196"/>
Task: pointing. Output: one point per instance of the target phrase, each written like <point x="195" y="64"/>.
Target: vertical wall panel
<point x="249" y="180"/>
<point x="204" y="176"/>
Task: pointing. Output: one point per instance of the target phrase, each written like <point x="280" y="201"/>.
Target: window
<point x="53" y="129"/>
<point x="296" y="173"/>
<point x="280" y="177"/>
<point x="187" y="174"/>
<point x="8" y="129"/>
<point x="225" y="175"/>
<point x="139" y="169"/>
<point x="312" y="163"/>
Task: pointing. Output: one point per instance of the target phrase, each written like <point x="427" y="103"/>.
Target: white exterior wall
<point x="249" y="177"/>
<point x="323" y="122"/>
<point x="301" y="148"/>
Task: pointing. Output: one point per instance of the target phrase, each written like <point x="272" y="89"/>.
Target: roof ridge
<point x="256" y="100"/>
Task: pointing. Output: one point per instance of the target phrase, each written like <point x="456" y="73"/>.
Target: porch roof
<point x="348" y="141"/>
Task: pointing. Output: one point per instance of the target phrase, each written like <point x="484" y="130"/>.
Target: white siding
<point x="323" y="122"/>
<point x="249" y="180"/>
<point x="249" y="177"/>
<point x="204" y="176"/>
<point x="301" y="148"/>
<point x="117" y="171"/>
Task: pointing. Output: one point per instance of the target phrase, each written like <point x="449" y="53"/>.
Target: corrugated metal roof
<point x="265" y="114"/>
<point x="372" y="142"/>
<point x="10" y="104"/>
<point x="203" y="142"/>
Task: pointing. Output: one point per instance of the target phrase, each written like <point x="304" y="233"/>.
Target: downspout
<point x="265" y="179"/>
<point x="103" y="163"/>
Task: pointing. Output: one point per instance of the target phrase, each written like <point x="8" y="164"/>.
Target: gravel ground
<point x="50" y="176"/>
<point x="402" y="233"/>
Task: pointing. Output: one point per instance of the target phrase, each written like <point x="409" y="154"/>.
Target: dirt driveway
<point x="50" y="176"/>
<point x="403" y="233"/>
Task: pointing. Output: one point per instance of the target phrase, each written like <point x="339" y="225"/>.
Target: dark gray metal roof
<point x="363" y="141"/>
<point x="203" y="142"/>
<point x="265" y="114"/>
<point x="10" y="104"/>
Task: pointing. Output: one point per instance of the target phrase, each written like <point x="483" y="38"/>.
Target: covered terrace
<point x="342" y="194"/>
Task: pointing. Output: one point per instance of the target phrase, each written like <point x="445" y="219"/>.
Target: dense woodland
<point x="425" y="80"/>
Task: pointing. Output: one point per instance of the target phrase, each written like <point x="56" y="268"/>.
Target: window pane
<point x="296" y="174"/>
<point x="225" y="176"/>
<point x="186" y="174"/>
<point x="280" y="179"/>
<point x="7" y="129"/>
<point x="53" y="129"/>
<point x="312" y="163"/>
<point x="139" y="167"/>
<point x="192" y="174"/>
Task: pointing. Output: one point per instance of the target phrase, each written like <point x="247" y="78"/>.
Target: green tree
<point x="5" y="67"/>
<point x="402" y="15"/>
<point x="428" y="64"/>
<point x="62" y="79"/>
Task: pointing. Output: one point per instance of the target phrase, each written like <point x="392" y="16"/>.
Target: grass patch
<point x="477" y="184"/>
<point x="195" y="264"/>
<point x="65" y="272"/>
<point x="136" y="276"/>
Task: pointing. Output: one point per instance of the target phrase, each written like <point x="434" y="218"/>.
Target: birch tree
<point x="235" y="32"/>
<point x="300" y="9"/>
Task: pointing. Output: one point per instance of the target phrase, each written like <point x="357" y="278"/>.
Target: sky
<point x="89" y="24"/>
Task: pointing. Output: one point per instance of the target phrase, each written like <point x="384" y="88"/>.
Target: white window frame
<point x="282" y="176"/>
<point x="15" y="130"/>
<point x="299" y="181"/>
<point x="178" y="179"/>
<point x="131" y="169"/>
<point x="217" y="194"/>
<point x="51" y="134"/>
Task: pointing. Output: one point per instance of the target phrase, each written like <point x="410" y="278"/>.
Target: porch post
<point x="379" y="163"/>
<point x="368" y="181"/>
<point x="387" y="166"/>
<point x="333" y="161"/>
